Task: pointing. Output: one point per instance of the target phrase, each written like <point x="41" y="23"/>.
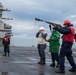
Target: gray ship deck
<point x="23" y="61"/>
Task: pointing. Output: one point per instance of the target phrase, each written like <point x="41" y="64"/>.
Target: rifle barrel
<point x="38" y="19"/>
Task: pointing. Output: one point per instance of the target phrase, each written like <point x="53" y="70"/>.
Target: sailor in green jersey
<point x="54" y="44"/>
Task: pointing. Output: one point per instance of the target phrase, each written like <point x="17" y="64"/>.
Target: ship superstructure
<point x="4" y="27"/>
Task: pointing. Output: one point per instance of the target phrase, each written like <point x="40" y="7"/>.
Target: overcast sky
<point x="24" y="12"/>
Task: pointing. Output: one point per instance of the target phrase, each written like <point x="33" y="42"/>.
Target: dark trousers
<point x="41" y="51"/>
<point x="66" y="50"/>
<point x="6" y="49"/>
<point x="54" y="57"/>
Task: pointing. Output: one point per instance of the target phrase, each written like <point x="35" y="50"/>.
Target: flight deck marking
<point x="1" y="55"/>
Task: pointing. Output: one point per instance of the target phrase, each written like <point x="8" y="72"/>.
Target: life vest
<point x="41" y="40"/>
<point x="6" y="39"/>
<point x="69" y="37"/>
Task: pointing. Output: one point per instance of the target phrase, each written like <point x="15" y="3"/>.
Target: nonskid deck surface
<point x="23" y="61"/>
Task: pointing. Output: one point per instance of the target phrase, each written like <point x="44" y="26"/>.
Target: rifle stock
<point x="54" y="24"/>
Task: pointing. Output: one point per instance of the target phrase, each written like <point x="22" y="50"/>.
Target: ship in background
<point x="4" y="27"/>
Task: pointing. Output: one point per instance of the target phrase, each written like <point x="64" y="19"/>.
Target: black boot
<point x="60" y="71"/>
<point x="43" y="62"/>
<point x="72" y="70"/>
<point x="52" y="65"/>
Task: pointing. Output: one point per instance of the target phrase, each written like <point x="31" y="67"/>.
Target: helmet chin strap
<point x="66" y="25"/>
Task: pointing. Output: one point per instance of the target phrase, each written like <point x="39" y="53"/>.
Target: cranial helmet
<point x="42" y="28"/>
<point x="66" y="22"/>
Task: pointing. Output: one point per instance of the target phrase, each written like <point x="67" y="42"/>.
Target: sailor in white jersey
<point x="41" y="35"/>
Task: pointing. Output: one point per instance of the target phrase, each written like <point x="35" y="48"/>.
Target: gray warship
<point x="4" y="27"/>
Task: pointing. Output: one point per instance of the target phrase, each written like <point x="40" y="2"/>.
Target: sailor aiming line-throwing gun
<point x="53" y="24"/>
